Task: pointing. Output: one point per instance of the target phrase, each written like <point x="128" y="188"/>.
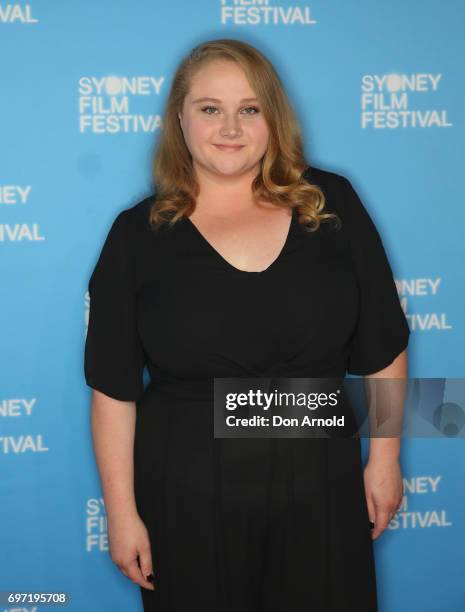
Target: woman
<point x="246" y="262"/>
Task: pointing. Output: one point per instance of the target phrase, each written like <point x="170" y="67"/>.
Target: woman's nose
<point x="231" y="124"/>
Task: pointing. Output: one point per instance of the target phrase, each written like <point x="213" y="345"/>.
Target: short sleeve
<point x="113" y="356"/>
<point x="381" y="331"/>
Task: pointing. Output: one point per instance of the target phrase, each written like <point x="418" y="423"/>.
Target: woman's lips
<point x="229" y="147"/>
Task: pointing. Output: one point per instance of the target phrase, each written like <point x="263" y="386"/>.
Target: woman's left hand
<point x="383" y="490"/>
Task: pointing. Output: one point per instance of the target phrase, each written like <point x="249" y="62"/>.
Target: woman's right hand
<point x="129" y="539"/>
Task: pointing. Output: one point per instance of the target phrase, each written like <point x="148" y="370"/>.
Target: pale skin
<point x="382" y="474"/>
<point x="113" y="425"/>
<point x="249" y="236"/>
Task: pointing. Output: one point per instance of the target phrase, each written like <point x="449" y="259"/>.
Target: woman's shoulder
<point x="316" y="173"/>
<point x="332" y="183"/>
<point x="137" y="215"/>
<point x="136" y="220"/>
<point x="340" y="195"/>
<point x="335" y="187"/>
<point x="130" y="231"/>
<point x="142" y="239"/>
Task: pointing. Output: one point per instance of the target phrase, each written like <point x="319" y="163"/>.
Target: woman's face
<point x="221" y="109"/>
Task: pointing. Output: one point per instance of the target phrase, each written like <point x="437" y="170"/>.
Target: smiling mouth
<point x="229" y="147"/>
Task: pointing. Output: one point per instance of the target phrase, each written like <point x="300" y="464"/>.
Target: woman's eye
<point x="254" y="108"/>
<point x="249" y="108"/>
<point x="206" y="108"/>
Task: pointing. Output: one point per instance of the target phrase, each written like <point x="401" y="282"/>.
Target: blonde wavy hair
<point x="281" y="180"/>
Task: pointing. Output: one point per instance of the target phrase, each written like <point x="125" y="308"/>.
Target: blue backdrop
<point x="379" y="90"/>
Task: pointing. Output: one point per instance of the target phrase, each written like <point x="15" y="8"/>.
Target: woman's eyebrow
<point x="206" y="99"/>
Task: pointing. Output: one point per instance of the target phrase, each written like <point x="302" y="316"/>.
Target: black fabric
<point x="260" y="524"/>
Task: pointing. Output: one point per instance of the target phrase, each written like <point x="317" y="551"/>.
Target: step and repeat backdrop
<point x="378" y="88"/>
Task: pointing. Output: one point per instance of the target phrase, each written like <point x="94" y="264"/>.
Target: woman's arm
<point x="382" y="474"/>
<point x="390" y="447"/>
<point x="113" y="425"/>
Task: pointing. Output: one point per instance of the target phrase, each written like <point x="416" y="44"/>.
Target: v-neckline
<point x="228" y="264"/>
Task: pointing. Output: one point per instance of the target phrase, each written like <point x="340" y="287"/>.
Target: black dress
<point x="244" y="525"/>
